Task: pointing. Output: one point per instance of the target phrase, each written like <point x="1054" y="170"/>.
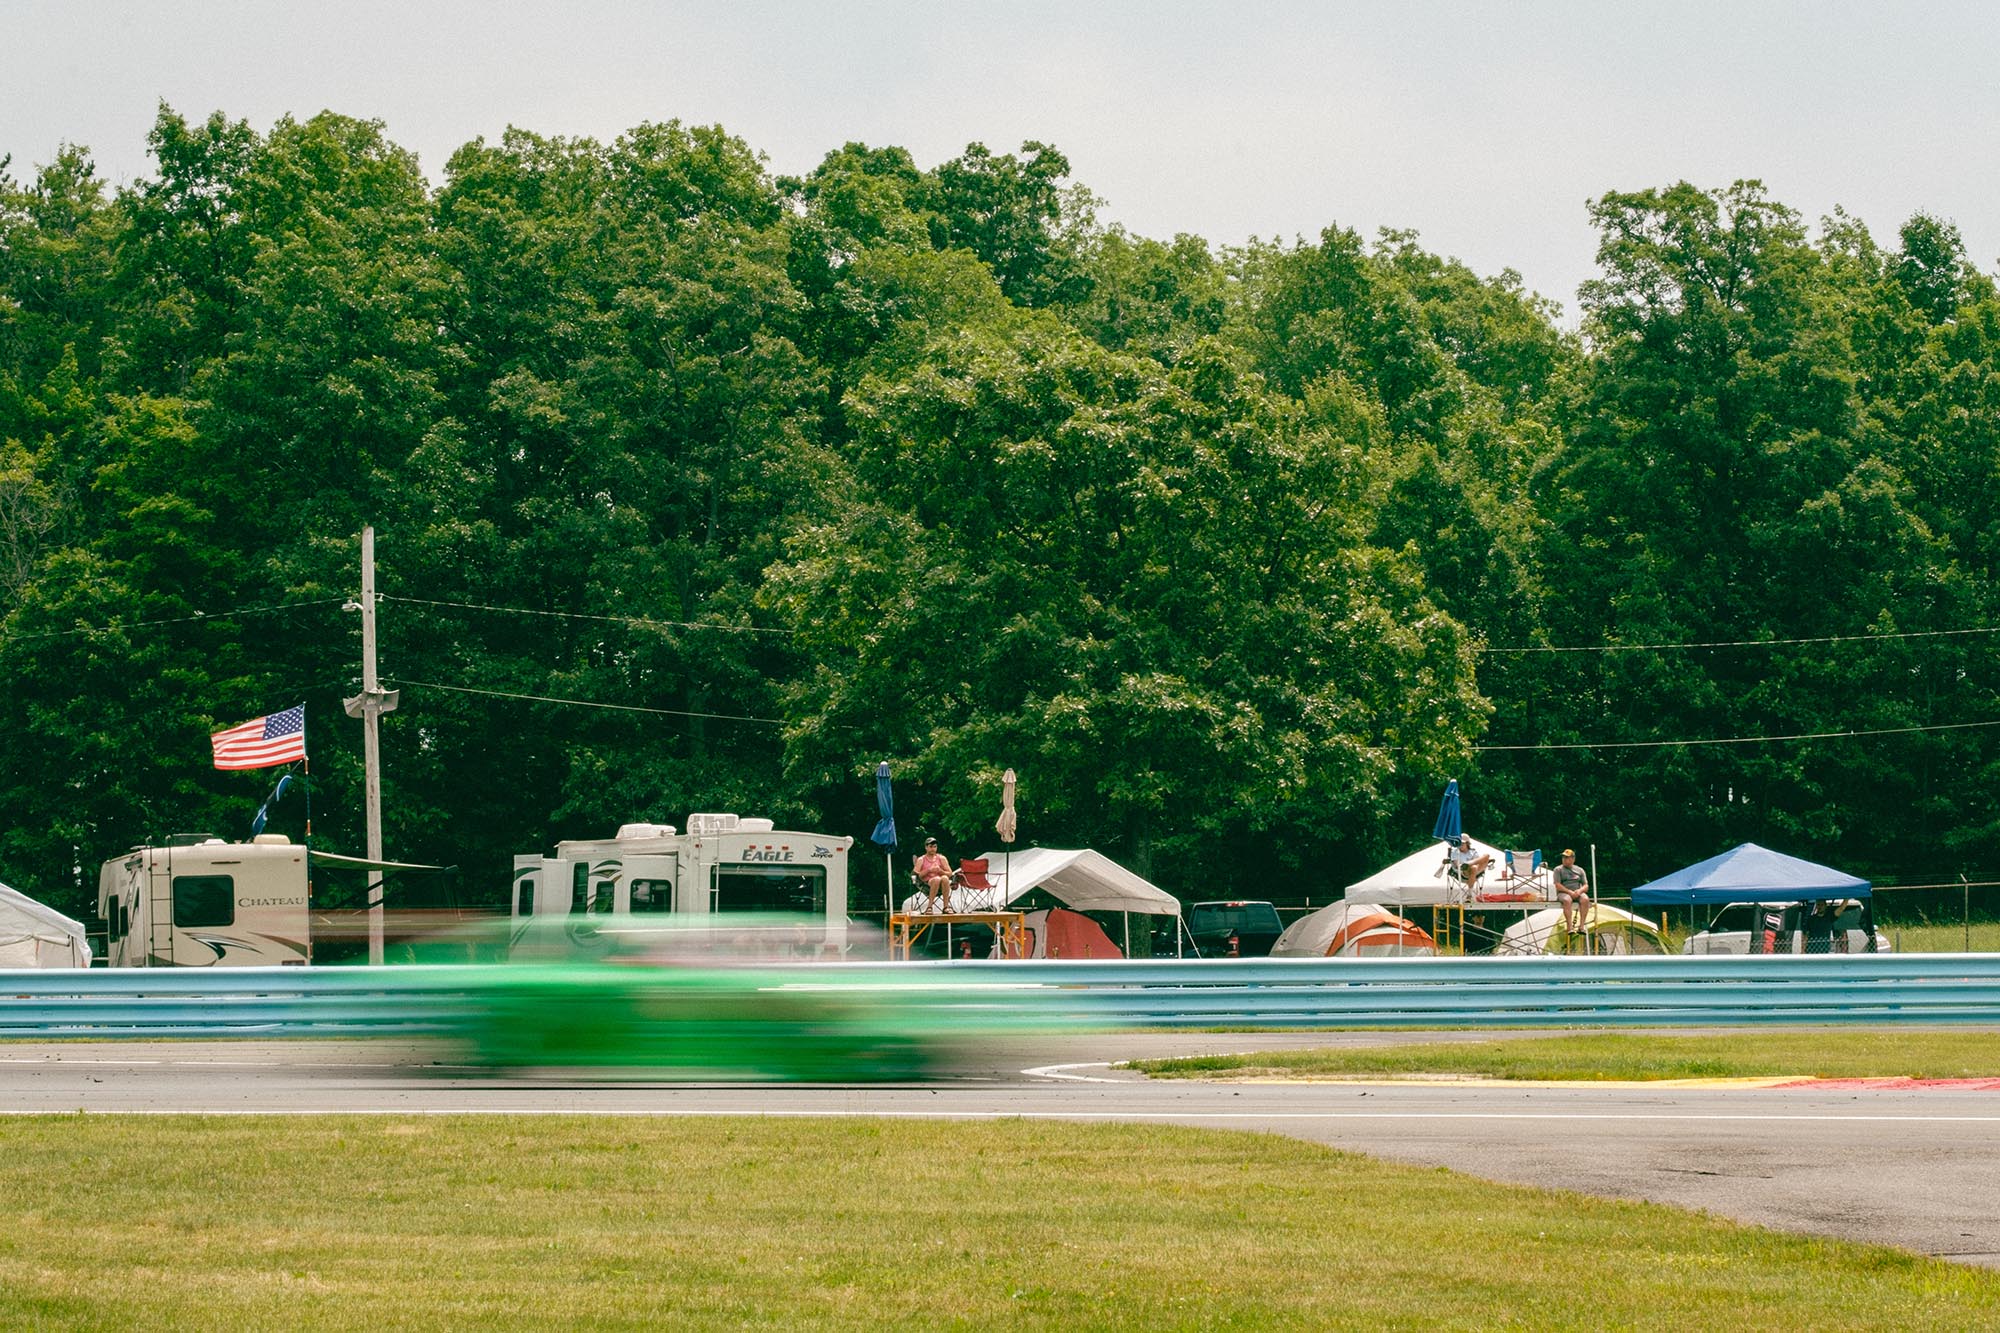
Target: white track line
<point x="1056" y="1072"/>
<point x="1148" y="1117"/>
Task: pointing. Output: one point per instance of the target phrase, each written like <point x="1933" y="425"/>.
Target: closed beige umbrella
<point x="1004" y="826"/>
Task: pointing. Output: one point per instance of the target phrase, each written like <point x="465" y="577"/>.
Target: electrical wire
<point x="1738" y="643"/>
<point x="643" y="621"/>
<point x="1740" y="740"/>
<point x="582" y="703"/>
<point x="172" y="620"/>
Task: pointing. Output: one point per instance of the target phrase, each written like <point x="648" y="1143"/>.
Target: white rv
<point x="198" y="901"/>
<point x="207" y="903"/>
<point x="723" y="863"/>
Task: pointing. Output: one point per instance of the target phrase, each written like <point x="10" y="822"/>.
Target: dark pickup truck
<point x="1254" y="926"/>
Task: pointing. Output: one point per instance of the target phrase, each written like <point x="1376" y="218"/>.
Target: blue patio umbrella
<point x="1448" y="827"/>
<point x="884" y="837"/>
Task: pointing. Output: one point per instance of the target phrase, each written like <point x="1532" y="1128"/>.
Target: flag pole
<point x="306" y="762"/>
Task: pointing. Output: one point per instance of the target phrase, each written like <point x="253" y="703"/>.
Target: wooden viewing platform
<point x="906" y="928"/>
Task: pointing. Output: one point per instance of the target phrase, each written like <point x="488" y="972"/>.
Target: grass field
<point x="616" y="1222"/>
<point x="1619" y="1056"/>
<point x="1941" y="938"/>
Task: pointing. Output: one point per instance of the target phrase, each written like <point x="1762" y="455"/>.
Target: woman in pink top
<point x="934" y="873"/>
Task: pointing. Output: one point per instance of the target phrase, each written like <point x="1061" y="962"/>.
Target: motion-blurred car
<point x="1833" y="926"/>
<point x="730" y="997"/>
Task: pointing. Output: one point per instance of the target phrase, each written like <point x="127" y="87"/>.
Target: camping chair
<point x="1458" y="887"/>
<point x="1527" y="874"/>
<point x="970" y="878"/>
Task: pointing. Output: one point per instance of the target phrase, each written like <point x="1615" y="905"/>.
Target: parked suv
<point x="1254" y="926"/>
<point x="1840" y="926"/>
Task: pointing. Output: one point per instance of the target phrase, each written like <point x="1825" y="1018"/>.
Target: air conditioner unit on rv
<point x="702" y="824"/>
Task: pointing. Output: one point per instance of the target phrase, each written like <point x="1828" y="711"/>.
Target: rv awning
<point x="337" y="862"/>
<point x="1082" y="880"/>
<point x="1750" y="874"/>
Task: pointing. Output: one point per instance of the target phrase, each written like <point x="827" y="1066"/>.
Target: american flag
<point x="263" y="742"/>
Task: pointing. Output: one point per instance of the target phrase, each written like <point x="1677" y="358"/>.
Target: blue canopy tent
<point x="1749" y="874"/>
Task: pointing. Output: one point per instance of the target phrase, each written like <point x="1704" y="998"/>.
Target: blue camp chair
<point x="1525" y="871"/>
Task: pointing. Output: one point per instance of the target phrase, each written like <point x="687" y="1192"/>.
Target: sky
<point x="1485" y="128"/>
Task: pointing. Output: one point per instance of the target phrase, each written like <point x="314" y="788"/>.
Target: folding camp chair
<point x="1526" y="873"/>
<point x="977" y="893"/>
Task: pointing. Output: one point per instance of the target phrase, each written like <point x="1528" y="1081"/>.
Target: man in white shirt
<point x="1471" y="863"/>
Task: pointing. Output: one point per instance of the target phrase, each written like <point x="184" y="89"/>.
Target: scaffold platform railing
<point x="1009" y="928"/>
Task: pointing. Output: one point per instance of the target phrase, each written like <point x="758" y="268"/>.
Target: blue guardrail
<point x="1923" y="989"/>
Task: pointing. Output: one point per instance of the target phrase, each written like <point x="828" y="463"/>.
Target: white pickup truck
<point x="1834" y="926"/>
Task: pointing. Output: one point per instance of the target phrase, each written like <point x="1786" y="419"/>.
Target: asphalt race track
<point x="1919" y="1169"/>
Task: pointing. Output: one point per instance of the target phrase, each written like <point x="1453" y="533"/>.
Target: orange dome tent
<point x="1354" y="930"/>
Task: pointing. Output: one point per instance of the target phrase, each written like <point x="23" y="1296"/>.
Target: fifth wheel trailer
<point x="722" y="863"/>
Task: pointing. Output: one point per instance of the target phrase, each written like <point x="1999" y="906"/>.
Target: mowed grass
<point x="1985" y="938"/>
<point x="1616" y="1056"/>
<point x="622" y="1222"/>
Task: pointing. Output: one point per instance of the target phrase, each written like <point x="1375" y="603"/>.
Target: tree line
<point x="699" y="487"/>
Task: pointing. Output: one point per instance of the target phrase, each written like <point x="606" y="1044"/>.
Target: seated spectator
<point x="1573" y="889"/>
<point x="1470" y="861"/>
<point x="934" y="877"/>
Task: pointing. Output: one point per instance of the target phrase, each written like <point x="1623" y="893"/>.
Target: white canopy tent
<point x="34" y="934"/>
<point x="1083" y="880"/>
<point x="1078" y="878"/>
<point x="1418" y="878"/>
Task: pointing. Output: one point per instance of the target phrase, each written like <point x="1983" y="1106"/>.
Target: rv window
<point x="580" y="887"/>
<point x="793" y="889"/>
<point x="652" y="895"/>
<point x="524" y="897"/>
<point x="605" y="896"/>
<point x="204" y="900"/>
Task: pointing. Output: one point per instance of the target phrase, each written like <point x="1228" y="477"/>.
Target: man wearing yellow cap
<point x="1573" y="888"/>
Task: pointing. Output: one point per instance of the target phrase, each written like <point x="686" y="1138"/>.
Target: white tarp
<point x="1079" y="879"/>
<point x="1417" y="878"/>
<point x="33" y="934"/>
<point x="1082" y="880"/>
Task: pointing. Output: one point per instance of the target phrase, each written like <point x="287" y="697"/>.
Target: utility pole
<point x="369" y="705"/>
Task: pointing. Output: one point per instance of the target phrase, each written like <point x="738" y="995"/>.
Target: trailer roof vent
<point x="754" y="826"/>
<point x="271" y="840"/>
<point x="713" y="823"/>
<point x="645" y="831"/>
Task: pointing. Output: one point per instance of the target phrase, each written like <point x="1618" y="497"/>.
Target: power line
<point x="1739" y="643"/>
<point x="1742" y="740"/>
<point x="586" y="703"/>
<point x="173" y="620"/>
<point x="642" y="621"/>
